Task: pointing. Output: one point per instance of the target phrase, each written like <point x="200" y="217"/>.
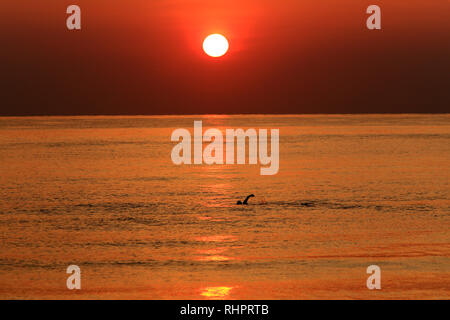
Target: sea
<point x="102" y="193"/>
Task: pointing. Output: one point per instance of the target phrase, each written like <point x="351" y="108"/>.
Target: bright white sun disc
<point x="215" y="45"/>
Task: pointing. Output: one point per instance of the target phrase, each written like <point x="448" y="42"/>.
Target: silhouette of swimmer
<point x="246" y="199"/>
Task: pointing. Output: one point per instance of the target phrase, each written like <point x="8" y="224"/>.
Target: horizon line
<point x="220" y="114"/>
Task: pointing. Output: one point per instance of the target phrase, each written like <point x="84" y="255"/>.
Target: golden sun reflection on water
<point x="217" y="238"/>
<point x="205" y="218"/>
<point x="215" y="258"/>
<point x="215" y="254"/>
<point x="216" y="292"/>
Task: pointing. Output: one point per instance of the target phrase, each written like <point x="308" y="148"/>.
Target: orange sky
<point x="145" y="57"/>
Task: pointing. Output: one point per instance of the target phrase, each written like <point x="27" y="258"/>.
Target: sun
<point x="215" y="45"/>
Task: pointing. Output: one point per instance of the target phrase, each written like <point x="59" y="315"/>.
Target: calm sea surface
<point x="102" y="193"/>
